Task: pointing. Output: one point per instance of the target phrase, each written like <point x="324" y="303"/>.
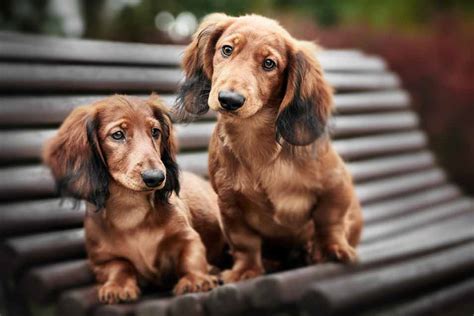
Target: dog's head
<point x="238" y="66"/>
<point x="123" y="139"/>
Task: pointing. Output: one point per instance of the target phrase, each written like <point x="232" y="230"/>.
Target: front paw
<point x="229" y="276"/>
<point x="112" y="293"/>
<point x="336" y="251"/>
<point x="191" y="283"/>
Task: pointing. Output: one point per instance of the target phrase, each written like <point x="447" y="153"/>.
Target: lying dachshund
<point x="279" y="180"/>
<point x="119" y="155"/>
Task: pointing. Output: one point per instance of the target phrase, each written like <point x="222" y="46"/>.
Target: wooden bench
<point x="417" y="253"/>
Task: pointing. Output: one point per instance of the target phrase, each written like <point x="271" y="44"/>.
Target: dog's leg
<point x="245" y="246"/>
<point x="331" y="226"/>
<point x="118" y="281"/>
<point x="193" y="268"/>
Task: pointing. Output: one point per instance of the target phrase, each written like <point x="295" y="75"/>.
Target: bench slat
<point x="39" y="215"/>
<point x="390" y="282"/>
<point x="29" y="77"/>
<point x="32" y="77"/>
<point x="433" y="214"/>
<point x="42" y="284"/>
<point x="374" y="212"/>
<point x="370" y="146"/>
<point x="19" y="252"/>
<point x="444" y="301"/>
<point x="19" y="111"/>
<point x="379" y="189"/>
<point x="284" y="288"/>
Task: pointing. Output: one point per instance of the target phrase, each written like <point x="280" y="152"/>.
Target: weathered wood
<point x="440" y="302"/>
<point x="360" y="290"/>
<point x="371" y="146"/>
<point x="19" y="252"/>
<point x="77" y="302"/>
<point x="42" y="284"/>
<point x="430" y="216"/>
<point x="39" y="215"/>
<point x="375" y="212"/>
<point x="393" y="186"/>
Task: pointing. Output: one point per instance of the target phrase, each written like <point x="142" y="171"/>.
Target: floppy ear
<point x="307" y="103"/>
<point x="193" y="94"/>
<point x="76" y="160"/>
<point x="169" y="149"/>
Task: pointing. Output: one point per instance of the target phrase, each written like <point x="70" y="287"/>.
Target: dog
<point x="119" y="154"/>
<point x="279" y="181"/>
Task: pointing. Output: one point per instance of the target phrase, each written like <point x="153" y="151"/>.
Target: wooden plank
<point x="353" y="125"/>
<point x="77" y="302"/>
<point x="42" y="284"/>
<point x="362" y="81"/>
<point x="17" y="111"/>
<point x="39" y="215"/>
<point x="394" y="186"/>
<point x="39" y="77"/>
<point x="370" y="146"/>
<point x="275" y="291"/>
<point x="428" y="238"/>
<point x="328" y="297"/>
<point x="444" y="301"/>
<point x="47" y="48"/>
<point x="26" y="182"/>
<point x="404" y="205"/>
<point x="31" y="77"/>
<point x="370" y="102"/>
<point x="381" y="167"/>
<point x="19" y="252"/>
<point x="430" y="216"/>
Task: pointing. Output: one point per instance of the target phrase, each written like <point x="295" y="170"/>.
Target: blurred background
<point x="429" y="44"/>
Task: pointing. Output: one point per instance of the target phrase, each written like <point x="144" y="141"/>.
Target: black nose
<point x="231" y="101"/>
<point x="153" y="177"/>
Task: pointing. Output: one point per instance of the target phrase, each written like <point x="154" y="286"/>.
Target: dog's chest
<point x="141" y="248"/>
<point x="281" y="193"/>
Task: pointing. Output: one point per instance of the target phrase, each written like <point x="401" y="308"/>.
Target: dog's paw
<point x="229" y="276"/>
<point x="339" y="252"/>
<point x="191" y="283"/>
<point x="112" y="293"/>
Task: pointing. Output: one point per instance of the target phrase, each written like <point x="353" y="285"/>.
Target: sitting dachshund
<point x="119" y="154"/>
<point x="279" y="181"/>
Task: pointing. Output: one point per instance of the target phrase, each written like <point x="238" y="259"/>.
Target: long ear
<point x="193" y="94"/>
<point x="76" y="160"/>
<point x="169" y="150"/>
<point x="307" y="103"/>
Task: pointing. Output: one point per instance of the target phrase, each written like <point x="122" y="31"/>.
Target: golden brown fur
<point x="278" y="178"/>
<point x="133" y="231"/>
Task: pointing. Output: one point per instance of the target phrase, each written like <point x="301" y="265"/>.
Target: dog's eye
<point x="226" y="50"/>
<point x="119" y="135"/>
<point x="269" y="64"/>
<point x="155" y="132"/>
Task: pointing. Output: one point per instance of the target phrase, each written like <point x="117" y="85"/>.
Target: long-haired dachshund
<point x="278" y="178"/>
<point x="119" y="155"/>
